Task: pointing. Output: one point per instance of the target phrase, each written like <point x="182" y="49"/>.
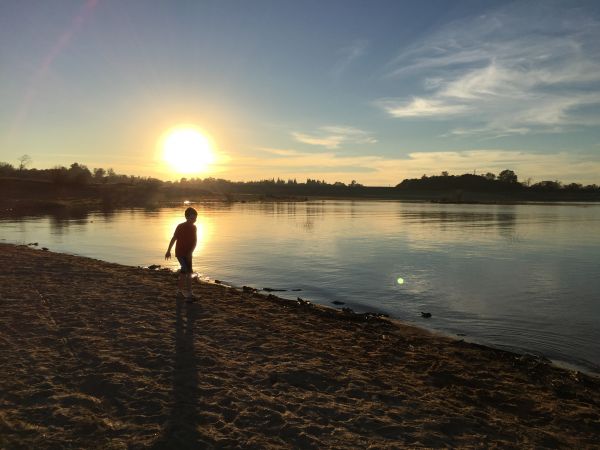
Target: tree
<point x="445" y="173"/>
<point x="79" y="174"/>
<point x="99" y="173"/>
<point x="111" y="174"/>
<point x="548" y="185"/>
<point x="59" y="175"/>
<point x="24" y="161"/>
<point x="507" y="176"/>
<point x="490" y="176"/>
<point x="6" y="169"/>
<point x="573" y="187"/>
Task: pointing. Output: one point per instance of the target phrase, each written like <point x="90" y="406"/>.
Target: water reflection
<point x="503" y="220"/>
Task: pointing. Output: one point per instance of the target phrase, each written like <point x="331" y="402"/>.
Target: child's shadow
<point x="181" y="429"/>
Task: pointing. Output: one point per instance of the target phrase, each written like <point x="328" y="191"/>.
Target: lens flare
<point x="400" y="280"/>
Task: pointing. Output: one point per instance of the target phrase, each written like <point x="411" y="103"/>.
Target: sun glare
<point x="187" y="150"/>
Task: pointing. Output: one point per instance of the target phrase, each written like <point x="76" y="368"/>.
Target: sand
<point x="99" y="355"/>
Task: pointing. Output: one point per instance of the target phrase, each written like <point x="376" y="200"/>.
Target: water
<point x="521" y="277"/>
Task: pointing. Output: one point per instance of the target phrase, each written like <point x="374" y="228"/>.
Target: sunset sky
<point x="375" y="91"/>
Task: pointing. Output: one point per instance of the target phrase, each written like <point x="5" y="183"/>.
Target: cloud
<point x="421" y="107"/>
<point x="506" y="73"/>
<point x="326" y="141"/>
<point x="280" y="152"/>
<point x="348" y="55"/>
<point x="333" y="137"/>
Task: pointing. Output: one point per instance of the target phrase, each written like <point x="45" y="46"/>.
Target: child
<point x="185" y="235"/>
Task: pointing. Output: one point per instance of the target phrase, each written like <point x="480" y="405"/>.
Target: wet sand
<point x="99" y="355"/>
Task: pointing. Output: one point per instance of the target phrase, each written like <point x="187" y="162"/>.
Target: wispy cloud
<point x="348" y="55"/>
<point x="421" y="107"/>
<point x="333" y="137"/>
<point x="280" y="152"/>
<point x="527" y="67"/>
<point x="325" y="141"/>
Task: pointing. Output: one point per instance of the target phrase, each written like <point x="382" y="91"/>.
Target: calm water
<point x="523" y="277"/>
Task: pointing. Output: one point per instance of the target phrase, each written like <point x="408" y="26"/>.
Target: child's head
<point x="191" y="214"/>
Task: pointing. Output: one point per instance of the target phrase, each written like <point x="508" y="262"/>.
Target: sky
<point x="372" y="91"/>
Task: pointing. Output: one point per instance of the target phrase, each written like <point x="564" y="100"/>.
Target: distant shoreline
<point x="26" y="195"/>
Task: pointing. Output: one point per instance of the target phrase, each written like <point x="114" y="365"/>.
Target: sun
<point x="187" y="150"/>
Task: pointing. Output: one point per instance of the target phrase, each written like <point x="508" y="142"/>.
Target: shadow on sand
<point x="181" y="429"/>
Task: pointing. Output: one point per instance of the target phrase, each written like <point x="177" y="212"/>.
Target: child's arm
<point x="168" y="254"/>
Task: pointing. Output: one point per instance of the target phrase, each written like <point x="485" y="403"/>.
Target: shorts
<point x="186" y="264"/>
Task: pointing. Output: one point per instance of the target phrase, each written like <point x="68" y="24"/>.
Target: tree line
<point x="77" y="175"/>
<point x="505" y="181"/>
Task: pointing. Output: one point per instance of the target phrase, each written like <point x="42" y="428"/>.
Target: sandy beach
<point x="100" y="355"/>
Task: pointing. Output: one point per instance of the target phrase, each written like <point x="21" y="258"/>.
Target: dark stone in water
<point x="303" y="302"/>
<point x="426" y="315"/>
<point x="373" y="315"/>
<point x="154" y="267"/>
<point x="337" y="302"/>
<point x="348" y="310"/>
<point x="248" y="289"/>
<point x="218" y="281"/>
<point x="44" y="249"/>
<point x="296" y="290"/>
<point x="268" y="289"/>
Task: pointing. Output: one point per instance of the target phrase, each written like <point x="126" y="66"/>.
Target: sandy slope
<point x="97" y="355"/>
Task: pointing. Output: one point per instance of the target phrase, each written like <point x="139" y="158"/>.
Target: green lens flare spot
<point x="400" y="280"/>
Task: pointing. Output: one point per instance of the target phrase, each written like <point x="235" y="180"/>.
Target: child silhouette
<point x="185" y="236"/>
